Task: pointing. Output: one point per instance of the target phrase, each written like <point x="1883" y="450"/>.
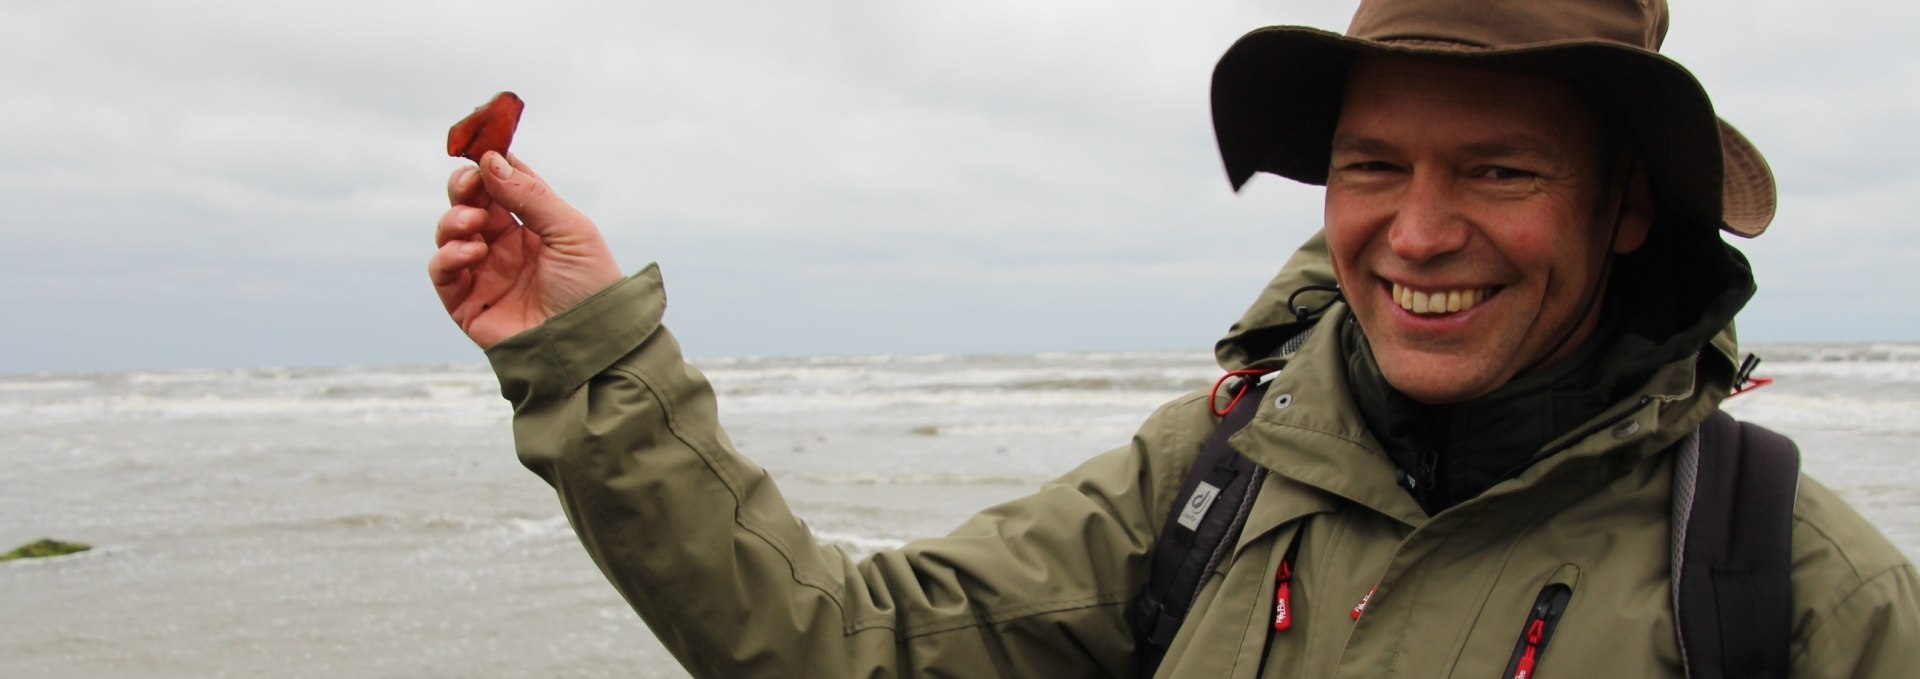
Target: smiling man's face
<point x="1469" y="222"/>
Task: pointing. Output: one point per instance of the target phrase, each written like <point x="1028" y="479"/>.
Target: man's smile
<point x="1440" y="301"/>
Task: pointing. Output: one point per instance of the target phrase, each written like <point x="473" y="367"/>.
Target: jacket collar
<point x="1319" y="440"/>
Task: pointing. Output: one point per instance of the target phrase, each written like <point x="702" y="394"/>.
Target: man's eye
<point x="1370" y="166"/>
<point x="1506" y="174"/>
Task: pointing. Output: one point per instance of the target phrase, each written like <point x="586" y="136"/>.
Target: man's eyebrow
<point x="1360" y="145"/>
<point x="1505" y="147"/>
<point x="1510" y="147"/>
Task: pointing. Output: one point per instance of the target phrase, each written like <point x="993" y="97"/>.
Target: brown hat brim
<point x="1277" y="94"/>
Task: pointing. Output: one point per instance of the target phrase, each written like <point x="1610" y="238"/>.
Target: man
<point x="1468" y="462"/>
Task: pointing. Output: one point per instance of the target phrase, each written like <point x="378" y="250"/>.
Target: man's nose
<point x="1428" y="223"/>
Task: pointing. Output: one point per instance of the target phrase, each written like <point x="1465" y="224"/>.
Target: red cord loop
<point x="1214" y="396"/>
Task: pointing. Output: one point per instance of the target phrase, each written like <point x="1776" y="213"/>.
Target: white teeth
<point x="1450" y="301"/>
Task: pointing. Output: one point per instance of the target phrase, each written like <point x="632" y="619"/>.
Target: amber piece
<point x="488" y="128"/>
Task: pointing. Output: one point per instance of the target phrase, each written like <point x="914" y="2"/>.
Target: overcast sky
<point x="216" y="184"/>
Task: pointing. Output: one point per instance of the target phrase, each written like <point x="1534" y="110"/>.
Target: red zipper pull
<point x="1282" y="598"/>
<point x="1362" y="608"/>
<point x="1283" y="613"/>
<point x="1535" y="632"/>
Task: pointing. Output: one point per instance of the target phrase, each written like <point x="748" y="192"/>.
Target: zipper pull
<point x="1362" y="608"/>
<point x="1535" y="633"/>
<point x="1282" y="593"/>
<point x="1546" y="612"/>
<point x="1283" y="613"/>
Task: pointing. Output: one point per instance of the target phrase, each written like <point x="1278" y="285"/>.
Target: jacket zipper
<point x="1545" y="615"/>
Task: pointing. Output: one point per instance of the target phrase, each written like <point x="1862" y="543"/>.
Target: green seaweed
<point x="44" y="547"/>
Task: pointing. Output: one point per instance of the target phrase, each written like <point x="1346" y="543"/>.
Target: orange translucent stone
<point x="488" y="128"/>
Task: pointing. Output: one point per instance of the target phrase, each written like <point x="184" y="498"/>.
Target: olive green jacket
<point x="701" y="543"/>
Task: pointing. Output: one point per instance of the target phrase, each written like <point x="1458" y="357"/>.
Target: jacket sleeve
<point x="700" y="542"/>
<point x="1857" y="594"/>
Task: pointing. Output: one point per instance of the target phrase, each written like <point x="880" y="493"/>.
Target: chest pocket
<point x="1535" y="633"/>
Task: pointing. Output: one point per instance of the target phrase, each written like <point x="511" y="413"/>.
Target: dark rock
<point x="44" y="547"/>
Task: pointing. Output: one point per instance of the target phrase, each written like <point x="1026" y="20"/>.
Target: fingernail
<point x="470" y="248"/>
<point x="498" y="165"/>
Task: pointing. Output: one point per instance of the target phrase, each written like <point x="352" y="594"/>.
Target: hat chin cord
<point x="1606" y="269"/>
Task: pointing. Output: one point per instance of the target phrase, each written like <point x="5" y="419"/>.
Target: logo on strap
<point x="1197" y="505"/>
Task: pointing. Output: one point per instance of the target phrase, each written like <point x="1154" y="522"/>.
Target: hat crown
<point x="1641" y="24"/>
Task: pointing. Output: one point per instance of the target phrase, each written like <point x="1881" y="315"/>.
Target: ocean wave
<point x="349" y="392"/>
<point x="29" y="384"/>
<point x="1008" y="371"/>
<point x="1151" y="383"/>
<point x="371" y="521"/>
<point x="1838" y="353"/>
<point x="1828" y="412"/>
<point x="506" y="527"/>
<point x="1875" y="371"/>
<point x="550" y="528"/>
<point x="202" y="406"/>
<point x="1138" y="402"/>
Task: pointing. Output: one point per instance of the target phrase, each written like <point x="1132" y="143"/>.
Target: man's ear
<point x="1636" y="215"/>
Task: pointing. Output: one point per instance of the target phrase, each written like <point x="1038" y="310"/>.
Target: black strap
<point x="1733" y="588"/>
<point x="1207" y="521"/>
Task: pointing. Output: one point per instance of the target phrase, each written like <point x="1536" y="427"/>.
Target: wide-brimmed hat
<point x="1277" y="92"/>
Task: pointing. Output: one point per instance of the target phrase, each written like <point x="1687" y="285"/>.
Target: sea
<point x="374" y="522"/>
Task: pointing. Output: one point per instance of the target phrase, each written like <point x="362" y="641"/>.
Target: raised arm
<point x="702" y="544"/>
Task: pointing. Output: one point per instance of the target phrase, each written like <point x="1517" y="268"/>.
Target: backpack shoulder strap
<point x="1215" y="497"/>
<point x="1734" y="488"/>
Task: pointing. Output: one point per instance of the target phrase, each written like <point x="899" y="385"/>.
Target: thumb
<point x="517" y="188"/>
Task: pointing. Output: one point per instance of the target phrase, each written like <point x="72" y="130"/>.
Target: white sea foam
<point x="42" y="385"/>
<point x="1840" y="353"/>
<point x="215" y="406"/>
<point x="550" y="528"/>
<point x="1878" y="362"/>
<point x="1876" y="371"/>
<point x="1830" y="413"/>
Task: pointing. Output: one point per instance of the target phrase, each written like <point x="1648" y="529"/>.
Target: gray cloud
<point x="223" y="183"/>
